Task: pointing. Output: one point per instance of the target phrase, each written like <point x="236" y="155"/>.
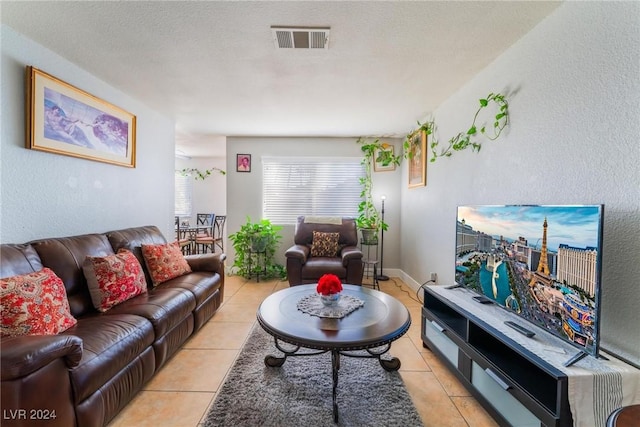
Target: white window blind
<point x="183" y="191"/>
<point x="318" y="186"/>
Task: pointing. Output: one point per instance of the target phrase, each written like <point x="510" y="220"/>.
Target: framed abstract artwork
<point x="63" y="119"/>
<point x="418" y="159"/>
<point x="243" y="162"/>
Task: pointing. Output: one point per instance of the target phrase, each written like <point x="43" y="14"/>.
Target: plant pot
<point x="330" y="300"/>
<point x="369" y="236"/>
<point x="259" y="243"/>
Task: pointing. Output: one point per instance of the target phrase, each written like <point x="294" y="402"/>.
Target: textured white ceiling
<point x="213" y="67"/>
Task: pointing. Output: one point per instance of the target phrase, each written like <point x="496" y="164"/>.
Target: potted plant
<point x="369" y="221"/>
<point x="255" y="245"/>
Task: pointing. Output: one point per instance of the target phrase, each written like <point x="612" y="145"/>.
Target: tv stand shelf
<point x="514" y="385"/>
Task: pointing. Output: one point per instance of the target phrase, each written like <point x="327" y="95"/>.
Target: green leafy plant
<point x="255" y="245"/>
<point x="427" y="127"/>
<point x="374" y="152"/>
<point x="468" y="139"/>
<point x="381" y="152"/>
<point x="198" y="174"/>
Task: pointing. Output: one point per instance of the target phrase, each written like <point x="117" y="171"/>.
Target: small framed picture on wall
<point x="243" y="162"/>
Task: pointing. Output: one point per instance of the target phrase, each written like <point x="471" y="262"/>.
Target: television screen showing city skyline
<point x="541" y="262"/>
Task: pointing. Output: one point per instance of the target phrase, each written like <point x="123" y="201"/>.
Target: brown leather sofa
<point x="88" y="373"/>
<point x="304" y="268"/>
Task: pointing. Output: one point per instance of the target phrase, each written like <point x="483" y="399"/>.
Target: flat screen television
<point x="542" y="262"/>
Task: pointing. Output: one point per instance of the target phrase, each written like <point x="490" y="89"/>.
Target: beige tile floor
<point x="181" y="393"/>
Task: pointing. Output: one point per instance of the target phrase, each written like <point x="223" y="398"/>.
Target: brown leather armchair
<point x="303" y="267"/>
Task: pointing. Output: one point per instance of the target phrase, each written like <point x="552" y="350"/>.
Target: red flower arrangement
<point x="329" y="284"/>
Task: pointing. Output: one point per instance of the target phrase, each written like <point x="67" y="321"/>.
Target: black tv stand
<point x="483" y="300"/>
<point x="514" y="385"/>
<point x="524" y="331"/>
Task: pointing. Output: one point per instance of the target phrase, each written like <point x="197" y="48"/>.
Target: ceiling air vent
<point x="300" y="37"/>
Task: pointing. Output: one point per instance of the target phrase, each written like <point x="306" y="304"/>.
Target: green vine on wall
<point x="198" y="174"/>
<point x="464" y="140"/>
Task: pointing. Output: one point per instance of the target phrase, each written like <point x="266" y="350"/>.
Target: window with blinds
<point x="318" y="186"/>
<point x="183" y="185"/>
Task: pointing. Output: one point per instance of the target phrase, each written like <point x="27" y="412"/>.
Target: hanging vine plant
<point x="198" y="174"/>
<point x="468" y="139"/>
<point x="374" y="152"/>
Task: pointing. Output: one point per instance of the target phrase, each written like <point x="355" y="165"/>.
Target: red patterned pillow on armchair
<point x="113" y="279"/>
<point x="34" y="304"/>
<point x="165" y="262"/>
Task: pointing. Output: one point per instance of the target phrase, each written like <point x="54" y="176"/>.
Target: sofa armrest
<point x="207" y="262"/>
<point x="23" y="355"/>
<point x="300" y="252"/>
<point x="350" y="253"/>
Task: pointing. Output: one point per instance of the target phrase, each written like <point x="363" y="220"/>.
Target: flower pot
<point x="369" y="236"/>
<point x="330" y="300"/>
<point x="259" y="243"/>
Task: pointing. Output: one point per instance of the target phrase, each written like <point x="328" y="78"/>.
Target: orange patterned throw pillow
<point x="324" y="244"/>
<point x="165" y="262"/>
<point x="113" y="279"/>
<point x="34" y="304"/>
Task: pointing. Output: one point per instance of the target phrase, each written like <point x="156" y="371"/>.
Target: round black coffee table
<point x="372" y="327"/>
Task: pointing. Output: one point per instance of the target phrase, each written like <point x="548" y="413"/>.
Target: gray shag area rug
<point x="299" y="393"/>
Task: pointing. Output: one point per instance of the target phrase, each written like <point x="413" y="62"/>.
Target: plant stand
<point x="257" y="264"/>
<point x="370" y="261"/>
<point x="372" y="266"/>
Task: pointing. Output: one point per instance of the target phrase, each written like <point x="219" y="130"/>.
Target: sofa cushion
<point x="324" y="244"/>
<point x="110" y="343"/>
<point x="65" y="255"/>
<point x="34" y="304"/>
<point x="303" y="233"/>
<point x="113" y="279"/>
<point x="164" y="308"/>
<point x="133" y="239"/>
<point x="165" y="262"/>
<point x="316" y="267"/>
<point x="18" y="259"/>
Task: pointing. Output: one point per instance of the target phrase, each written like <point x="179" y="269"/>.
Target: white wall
<point x="210" y="194"/>
<point x="574" y="85"/>
<point x="245" y="189"/>
<point x="50" y="195"/>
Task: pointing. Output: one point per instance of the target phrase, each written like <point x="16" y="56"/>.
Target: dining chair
<point x="204" y="238"/>
<point x="183" y="237"/>
<point x="218" y="231"/>
<point x="205" y="218"/>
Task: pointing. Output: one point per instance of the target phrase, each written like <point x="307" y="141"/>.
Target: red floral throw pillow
<point x="165" y="262"/>
<point x="113" y="279"/>
<point x="324" y="244"/>
<point x="34" y="304"/>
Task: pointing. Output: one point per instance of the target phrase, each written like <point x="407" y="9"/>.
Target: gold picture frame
<point x="63" y="119"/>
<point x="418" y="159"/>
<point x="378" y="166"/>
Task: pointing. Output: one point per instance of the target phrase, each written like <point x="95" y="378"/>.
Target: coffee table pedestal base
<point x="389" y="365"/>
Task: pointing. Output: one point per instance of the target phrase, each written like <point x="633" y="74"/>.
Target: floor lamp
<point x="381" y="276"/>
